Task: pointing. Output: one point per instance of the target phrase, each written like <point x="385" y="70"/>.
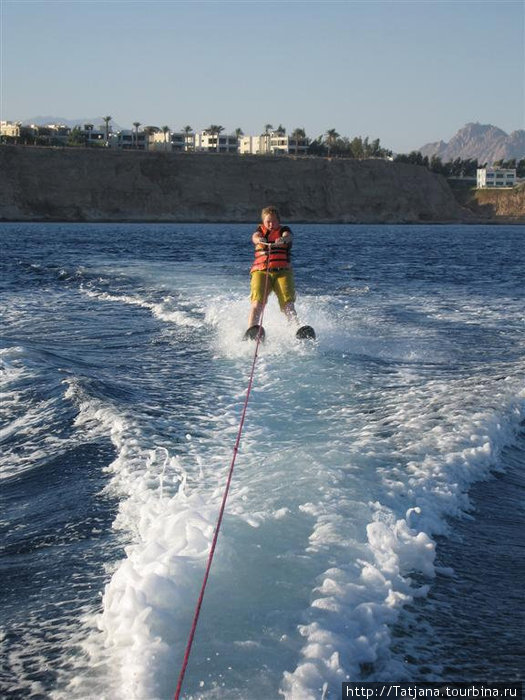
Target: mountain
<point x="485" y="142"/>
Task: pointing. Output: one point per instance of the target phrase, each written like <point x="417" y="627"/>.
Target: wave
<point x="166" y="310"/>
<point x="354" y="607"/>
<point x="388" y="479"/>
<point x="357" y="451"/>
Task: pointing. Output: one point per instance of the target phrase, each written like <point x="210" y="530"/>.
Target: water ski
<point x="305" y="333"/>
<point x="253" y="332"/>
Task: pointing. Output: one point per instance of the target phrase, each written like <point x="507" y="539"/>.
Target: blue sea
<point x="374" y="529"/>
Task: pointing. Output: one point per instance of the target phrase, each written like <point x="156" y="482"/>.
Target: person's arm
<point x="286" y="238"/>
<point x="258" y="238"/>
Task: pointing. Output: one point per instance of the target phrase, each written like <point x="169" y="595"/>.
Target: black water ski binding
<point x="253" y="332"/>
<point x="305" y="333"/>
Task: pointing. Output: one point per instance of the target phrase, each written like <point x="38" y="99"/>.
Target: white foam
<point x="349" y="470"/>
<point x="352" y="611"/>
<point x="28" y="415"/>
<point x="168" y="527"/>
<point x="165" y="310"/>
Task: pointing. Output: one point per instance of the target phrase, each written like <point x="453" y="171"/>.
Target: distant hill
<point x="485" y="142"/>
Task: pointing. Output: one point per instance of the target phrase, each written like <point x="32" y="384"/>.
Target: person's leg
<point x="255" y="313"/>
<point x="257" y="288"/>
<point x="285" y="290"/>
<point x="291" y="313"/>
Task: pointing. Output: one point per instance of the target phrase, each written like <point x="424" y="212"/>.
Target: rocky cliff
<point x="100" y="185"/>
<point x="505" y="203"/>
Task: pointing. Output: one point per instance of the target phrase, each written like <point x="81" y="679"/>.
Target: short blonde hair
<point x="270" y="211"/>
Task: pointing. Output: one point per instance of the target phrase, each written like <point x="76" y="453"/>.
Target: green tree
<point x="357" y="147"/>
<point x="331" y="137"/>
<point x="436" y="165"/>
<point x="298" y="135"/>
<point x="375" y="148"/>
<point x="317" y="147"/>
<point x="76" y="137"/>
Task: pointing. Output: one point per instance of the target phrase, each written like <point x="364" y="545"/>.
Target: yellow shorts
<point x="281" y="282"/>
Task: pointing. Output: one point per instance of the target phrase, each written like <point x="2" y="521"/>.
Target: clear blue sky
<point x="407" y="72"/>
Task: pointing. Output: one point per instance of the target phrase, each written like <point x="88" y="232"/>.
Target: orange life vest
<point x="279" y="256"/>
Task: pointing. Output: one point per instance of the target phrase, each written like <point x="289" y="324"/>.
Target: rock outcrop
<point x="508" y="204"/>
<point x="69" y="184"/>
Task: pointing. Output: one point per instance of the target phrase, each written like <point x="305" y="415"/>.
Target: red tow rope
<point x="224" y="498"/>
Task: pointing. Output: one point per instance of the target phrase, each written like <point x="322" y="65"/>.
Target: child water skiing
<point x="272" y="271"/>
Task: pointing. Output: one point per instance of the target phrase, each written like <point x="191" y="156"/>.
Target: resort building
<point x="216" y="143"/>
<point x="297" y="146"/>
<point x="92" y="136"/>
<point x="43" y="135"/>
<point x="250" y="144"/>
<point x="129" y="139"/>
<point x="274" y="143"/>
<point x="10" y="129"/>
<point x="178" y="141"/>
<point x="154" y="138"/>
<point x="495" y="177"/>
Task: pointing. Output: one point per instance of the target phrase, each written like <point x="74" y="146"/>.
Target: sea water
<point x="354" y="544"/>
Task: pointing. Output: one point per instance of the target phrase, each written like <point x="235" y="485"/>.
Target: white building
<point x="11" y="129"/>
<point x="216" y="143"/>
<point x="495" y="177"/>
<point x="274" y="143"/>
<point x="178" y="141"/>
<point x="250" y="144"/>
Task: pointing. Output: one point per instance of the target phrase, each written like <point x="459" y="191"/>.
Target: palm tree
<point x="266" y="135"/>
<point x="331" y="138"/>
<point x="106" y="121"/>
<point x="136" y="125"/>
<point x="187" y="131"/>
<point x="215" y="130"/>
<point x="298" y="134"/>
<point x="165" y="131"/>
<point x="238" y="133"/>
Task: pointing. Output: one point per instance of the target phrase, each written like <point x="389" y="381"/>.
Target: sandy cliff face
<point x="504" y="203"/>
<point x="93" y="185"/>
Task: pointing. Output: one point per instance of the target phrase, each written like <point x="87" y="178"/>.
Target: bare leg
<point x="291" y="314"/>
<point x="255" y="313"/>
